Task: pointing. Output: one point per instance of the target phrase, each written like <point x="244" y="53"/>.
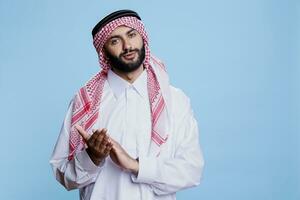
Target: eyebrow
<point x="118" y="36"/>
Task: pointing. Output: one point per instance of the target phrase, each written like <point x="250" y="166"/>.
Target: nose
<point x="126" y="45"/>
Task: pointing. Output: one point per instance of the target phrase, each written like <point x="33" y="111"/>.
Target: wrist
<point x="135" y="166"/>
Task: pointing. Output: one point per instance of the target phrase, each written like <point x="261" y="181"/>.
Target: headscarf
<point x="87" y="100"/>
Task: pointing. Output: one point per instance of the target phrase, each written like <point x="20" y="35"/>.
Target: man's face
<point x="125" y="49"/>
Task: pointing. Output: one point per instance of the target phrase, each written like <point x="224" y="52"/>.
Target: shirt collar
<point x="119" y="85"/>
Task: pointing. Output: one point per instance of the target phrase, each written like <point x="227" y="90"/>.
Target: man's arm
<point x="78" y="172"/>
<point x="184" y="170"/>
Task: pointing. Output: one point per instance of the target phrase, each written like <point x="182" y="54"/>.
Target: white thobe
<point x="125" y="113"/>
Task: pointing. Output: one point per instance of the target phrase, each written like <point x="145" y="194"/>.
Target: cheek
<point x="115" y="51"/>
<point x="140" y="43"/>
<point x="137" y="42"/>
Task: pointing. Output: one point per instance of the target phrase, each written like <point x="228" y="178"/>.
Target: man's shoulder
<point x="178" y="94"/>
<point x="180" y="101"/>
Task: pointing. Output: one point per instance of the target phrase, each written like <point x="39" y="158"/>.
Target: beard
<point x="117" y="62"/>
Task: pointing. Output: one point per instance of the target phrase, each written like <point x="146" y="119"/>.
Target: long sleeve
<point x="78" y="172"/>
<point x="184" y="170"/>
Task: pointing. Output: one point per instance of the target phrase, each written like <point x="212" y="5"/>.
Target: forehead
<point x="121" y="30"/>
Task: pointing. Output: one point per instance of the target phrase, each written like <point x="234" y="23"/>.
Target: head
<point x="121" y="41"/>
<point x="125" y="49"/>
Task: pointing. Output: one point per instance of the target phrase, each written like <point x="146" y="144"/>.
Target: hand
<point x="99" y="145"/>
<point x="120" y="157"/>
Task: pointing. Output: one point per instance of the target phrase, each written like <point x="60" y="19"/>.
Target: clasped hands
<point x="100" y="145"/>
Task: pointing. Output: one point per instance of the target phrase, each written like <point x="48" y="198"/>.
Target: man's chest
<point x="127" y="119"/>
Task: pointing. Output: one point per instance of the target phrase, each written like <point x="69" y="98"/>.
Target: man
<point x="128" y="134"/>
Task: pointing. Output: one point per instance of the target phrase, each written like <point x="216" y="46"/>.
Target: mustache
<point x="126" y="51"/>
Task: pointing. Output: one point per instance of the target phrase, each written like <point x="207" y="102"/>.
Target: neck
<point x="129" y="76"/>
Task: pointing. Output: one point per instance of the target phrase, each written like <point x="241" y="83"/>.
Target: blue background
<point x="237" y="60"/>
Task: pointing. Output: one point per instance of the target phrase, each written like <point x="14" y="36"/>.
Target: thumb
<point x="82" y="132"/>
<point x="115" y="144"/>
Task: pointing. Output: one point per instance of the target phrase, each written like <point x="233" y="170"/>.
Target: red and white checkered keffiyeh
<point x="87" y="100"/>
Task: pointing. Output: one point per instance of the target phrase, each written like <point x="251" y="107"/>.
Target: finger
<point x="93" y="138"/>
<point x="100" y="131"/>
<point x="101" y="135"/>
<point x="113" y="142"/>
<point x="103" y="131"/>
<point x="105" y="141"/>
<point x="109" y="146"/>
<point x="96" y="139"/>
<point x="103" y="147"/>
<point x="109" y="139"/>
<point x="107" y="151"/>
<point x="82" y="132"/>
<point x="99" y="139"/>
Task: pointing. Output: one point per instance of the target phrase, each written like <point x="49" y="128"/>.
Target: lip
<point x="129" y="56"/>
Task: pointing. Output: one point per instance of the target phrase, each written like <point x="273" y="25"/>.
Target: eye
<point x="114" y="41"/>
<point x="132" y="34"/>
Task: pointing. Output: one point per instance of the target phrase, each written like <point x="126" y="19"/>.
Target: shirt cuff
<point x="86" y="163"/>
<point x="147" y="170"/>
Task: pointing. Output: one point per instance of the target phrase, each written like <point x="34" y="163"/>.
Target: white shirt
<point x="125" y="112"/>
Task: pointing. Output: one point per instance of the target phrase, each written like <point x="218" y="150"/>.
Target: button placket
<point x="130" y="135"/>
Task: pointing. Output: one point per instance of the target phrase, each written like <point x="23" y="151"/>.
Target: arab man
<point x="128" y="133"/>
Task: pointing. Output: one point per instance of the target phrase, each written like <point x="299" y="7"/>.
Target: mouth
<point x="129" y="56"/>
